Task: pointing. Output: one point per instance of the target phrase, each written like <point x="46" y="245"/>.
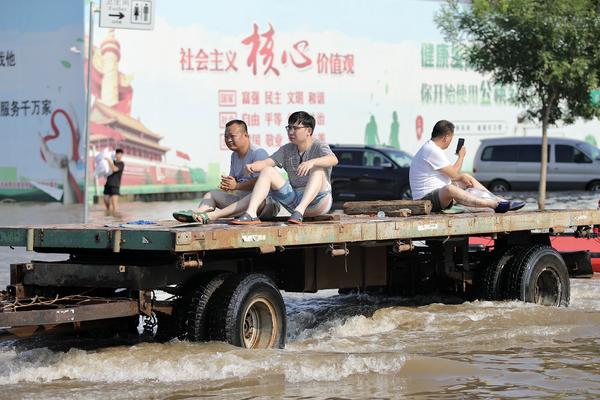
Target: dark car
<point x="370" y="173"/>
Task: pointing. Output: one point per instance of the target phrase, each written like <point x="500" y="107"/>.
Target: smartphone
<point x="461" y="142"/>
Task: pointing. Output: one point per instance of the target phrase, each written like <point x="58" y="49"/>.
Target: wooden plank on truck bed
<point x="417" y="207"/>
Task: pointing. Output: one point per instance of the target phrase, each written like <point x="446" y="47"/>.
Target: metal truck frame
<point x="225" y="280"/>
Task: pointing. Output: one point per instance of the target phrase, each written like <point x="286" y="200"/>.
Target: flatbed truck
<point x="224" y="281"/>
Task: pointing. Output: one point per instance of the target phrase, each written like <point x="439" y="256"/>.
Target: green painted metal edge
<point x="16" y="237"/>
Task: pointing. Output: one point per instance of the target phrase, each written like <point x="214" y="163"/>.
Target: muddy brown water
<point x="352" y="346"/>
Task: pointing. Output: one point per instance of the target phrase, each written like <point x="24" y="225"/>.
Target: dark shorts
<point x="434" y="197"/>
<point x="112" y="190"/>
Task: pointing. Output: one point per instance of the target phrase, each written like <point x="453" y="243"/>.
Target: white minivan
<point x="513" y="163"/>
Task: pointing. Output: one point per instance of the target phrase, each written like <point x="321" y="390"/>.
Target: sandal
<point x="295" y="218"/>
<point x="191" y="216"/>
<point x="245" y="219"/>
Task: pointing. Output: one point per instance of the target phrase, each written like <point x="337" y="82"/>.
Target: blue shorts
<point x="290" y="198"/>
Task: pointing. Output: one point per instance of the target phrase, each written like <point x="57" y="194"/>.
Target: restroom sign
<point x="127" y="14"/>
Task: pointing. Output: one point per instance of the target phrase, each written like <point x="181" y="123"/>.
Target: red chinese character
<point x="201" y="60"/>
<point x="322" y="137"/>
<point x="255" y="98"/>
<point x="256" y="139"/>
<point x="246" y="117"/>
<point x="300" y="48"/>
<point x="320" y="117"/>
<point x="269" y="97"/>
<point x="227" y="98"/>
<point x="349" y="63"/>
<point x="277" y="119"/>
<point x="278" y="140"/>
<point x="230" y="56"/>
<point x="320" y="98"/>
<point x="216" y="60"/>
<point x="254" y="120"/>
<point x="245" y="97"/>
<point x="266" y="51"/>
<point x="322" y="63"/>
<point x="276" y="97"/>
<point x="269" y="118"/>
<point x="336" y="64"/>
<point x="312" y="98"/>
<point x="186" y="59"/>
<point x="225" y="117"/>
<point x="269" y="140"/>
<point x="253" y="40"/>
<point x="299" y="97"/>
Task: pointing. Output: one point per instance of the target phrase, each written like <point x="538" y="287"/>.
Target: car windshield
<point x="401" y="158"/>
<point x="591" y="151"/>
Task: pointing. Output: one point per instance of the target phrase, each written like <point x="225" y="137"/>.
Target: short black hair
<point x="442" y="128"/>
<point x="304" y="118"/>
<point x="237" y="122"/>
<point x="117" y="151"/>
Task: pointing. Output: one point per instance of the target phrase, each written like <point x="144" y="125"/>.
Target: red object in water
<point x="560" y="243"/>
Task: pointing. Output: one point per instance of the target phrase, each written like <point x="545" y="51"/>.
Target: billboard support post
<point x="88" y="99"/>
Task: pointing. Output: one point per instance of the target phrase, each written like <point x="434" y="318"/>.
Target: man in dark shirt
<point x="112" y="187"/>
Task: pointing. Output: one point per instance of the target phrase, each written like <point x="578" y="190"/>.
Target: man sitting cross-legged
<point x="308" y="163"/>
<point x="433" y="177"/>
<point x="234" y="187"/>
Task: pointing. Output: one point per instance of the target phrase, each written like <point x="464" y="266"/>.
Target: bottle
<point x="380" y="215"/>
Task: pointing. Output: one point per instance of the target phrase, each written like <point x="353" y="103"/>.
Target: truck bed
<point x="171" y="236"/>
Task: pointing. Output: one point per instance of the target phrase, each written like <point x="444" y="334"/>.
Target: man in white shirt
<point x="433" y="177"/>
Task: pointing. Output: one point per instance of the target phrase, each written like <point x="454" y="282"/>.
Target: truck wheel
<point x="248" y="312"/>
<point x="197" y="323"/>
<point x="539" y="275"/>
<point x="490" y="280"/>
<point x="499" y="185"/>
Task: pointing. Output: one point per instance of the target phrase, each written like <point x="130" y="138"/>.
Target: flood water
<point x="351" y="346"/>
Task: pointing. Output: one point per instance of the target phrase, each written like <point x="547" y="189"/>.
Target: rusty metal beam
<point x="66" y="314"/>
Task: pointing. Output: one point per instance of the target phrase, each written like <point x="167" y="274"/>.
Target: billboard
<point x="370" y="72"/>
<point x="42" y="101"/>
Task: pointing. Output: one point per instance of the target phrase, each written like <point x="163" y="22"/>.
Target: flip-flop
<point x="191" y="216"/>
<point x="245" y="219"/>
<point x="296" y="218"/>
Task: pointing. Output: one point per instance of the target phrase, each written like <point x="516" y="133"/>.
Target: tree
<point x="548" y="49"/>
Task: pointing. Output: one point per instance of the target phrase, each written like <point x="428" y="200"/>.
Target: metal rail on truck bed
<point x="170" y="236"/>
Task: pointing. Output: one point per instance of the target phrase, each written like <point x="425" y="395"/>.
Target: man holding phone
<point x="433" y="177"/>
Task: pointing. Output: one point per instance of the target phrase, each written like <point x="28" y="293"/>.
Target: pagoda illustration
<point x="112" y="126"/>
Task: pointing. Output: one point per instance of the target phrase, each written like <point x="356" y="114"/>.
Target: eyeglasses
<point x="290" y="128"/>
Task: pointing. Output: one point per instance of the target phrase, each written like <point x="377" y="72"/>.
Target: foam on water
<point x="181" y="361"/>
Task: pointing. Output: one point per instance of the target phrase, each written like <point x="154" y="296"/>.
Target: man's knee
<point x="268" y="171"/>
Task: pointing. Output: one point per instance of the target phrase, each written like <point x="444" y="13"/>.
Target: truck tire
<point x="196" y="324"/>
<point x="489" y="282"/>
<point x="248" y="311"/>
<point x="538" y="274"/>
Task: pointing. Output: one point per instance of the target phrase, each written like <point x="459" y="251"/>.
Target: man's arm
<point x="453" y="171"/>
<point x="111" y="164"/>
<point x="323" y="162"/>
<point x="258" y="166"/>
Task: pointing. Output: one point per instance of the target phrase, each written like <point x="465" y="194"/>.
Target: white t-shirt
<point x="424" y="173"/>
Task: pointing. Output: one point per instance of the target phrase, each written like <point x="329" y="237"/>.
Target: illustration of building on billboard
<point x="112" y="126"/>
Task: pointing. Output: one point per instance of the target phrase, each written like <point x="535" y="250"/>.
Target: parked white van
<point x="513" y="163"/>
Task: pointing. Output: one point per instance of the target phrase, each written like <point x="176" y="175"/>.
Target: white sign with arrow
<point x="127" y="14"/>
